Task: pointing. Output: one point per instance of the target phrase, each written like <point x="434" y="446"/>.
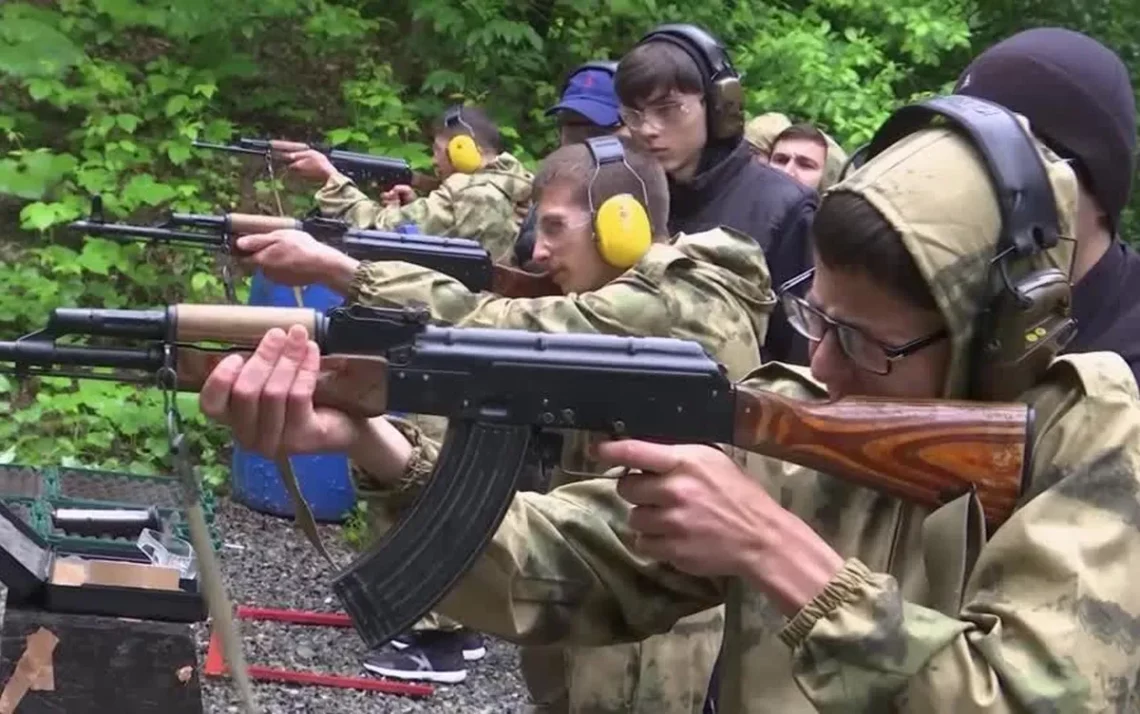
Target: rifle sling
<point x="302" y="514"/>
<point x="952" y="538"/>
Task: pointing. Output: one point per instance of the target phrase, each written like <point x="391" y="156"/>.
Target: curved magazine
<point x="387" y="589"/>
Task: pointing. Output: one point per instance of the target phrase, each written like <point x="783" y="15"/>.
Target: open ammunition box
<point x="40" y="575"/>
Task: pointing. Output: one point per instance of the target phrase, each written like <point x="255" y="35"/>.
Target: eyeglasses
<point x="662" y="115"/>
<point x="864" y="351"/>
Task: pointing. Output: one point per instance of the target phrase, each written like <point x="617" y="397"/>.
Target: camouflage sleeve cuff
<point x="359" y="279"/>
<point x="334" y="185"/>
<point x="845" y="587"/>
<point x="403" y="492"/>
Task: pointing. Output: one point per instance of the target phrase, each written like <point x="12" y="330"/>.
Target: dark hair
<point x="801" y="131"/>
<point x="656" y="68"/>
<point x="574" y="164"/>
<point x="479" y="126"/>
<point x="851" y="235"/>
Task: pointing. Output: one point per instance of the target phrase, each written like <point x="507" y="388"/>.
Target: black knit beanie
<point x="1077" y="96"/>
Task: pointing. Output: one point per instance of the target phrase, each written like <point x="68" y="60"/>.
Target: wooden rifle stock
<point x="514" y="283"/>
<point x="354" y="384"/>
<point x="425" y="183"/>
<point x="924" y="451"/>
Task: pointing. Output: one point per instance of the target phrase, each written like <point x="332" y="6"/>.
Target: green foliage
<point x="105" y="97"/>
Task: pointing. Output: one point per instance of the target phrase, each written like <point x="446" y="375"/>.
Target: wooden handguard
<point x="244" y="224"/>
<point x="283" y="146"/>
<point x="239" y="325"/>
<point x="924" y="451"/>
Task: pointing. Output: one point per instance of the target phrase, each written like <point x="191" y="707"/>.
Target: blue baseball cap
<point x="590" y="92"/>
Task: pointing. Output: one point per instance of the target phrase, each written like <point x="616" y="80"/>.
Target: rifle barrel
<point x="41" y="353"/>
<point x="160" y="235"/>
<point x="229" y="148"/>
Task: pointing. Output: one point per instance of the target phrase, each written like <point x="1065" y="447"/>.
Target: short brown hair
<point x="574" y="164"/>
<point x="479" y="126"/>
<point x="802" y="131"/>
<point x="655" y="68"/>
<point x="850" y="234"/>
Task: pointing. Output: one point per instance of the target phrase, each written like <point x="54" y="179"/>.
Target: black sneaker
<point x="473" y="646"/>
<point x="431" y="657"/>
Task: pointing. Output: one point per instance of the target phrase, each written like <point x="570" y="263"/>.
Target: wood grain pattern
<point x="514" y="283"/>
<point x="926" y="451"/>
<point x="250" y="223"/>
<point x="287" y="146"/>
<point x="356" y="385"/>
<point x="240" y="325"/>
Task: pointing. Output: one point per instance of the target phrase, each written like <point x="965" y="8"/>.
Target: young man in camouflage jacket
<point x="712" y="287"/>
<point x="482" y="205"/>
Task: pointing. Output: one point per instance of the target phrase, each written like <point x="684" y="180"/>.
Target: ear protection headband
<point x="1027" y="316"/>
<point x="462" y="150"/>
<point x="724" y="95"/>
<point x="621" y="222"/>
<point x="607" y="66"/>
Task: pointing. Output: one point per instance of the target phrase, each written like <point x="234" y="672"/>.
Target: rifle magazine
<point x="387" y="589"/>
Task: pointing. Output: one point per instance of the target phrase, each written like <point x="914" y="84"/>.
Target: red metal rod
<point x="296" y="617"/>
<point x="215" y="665"/>
<point x="341" y="681"/>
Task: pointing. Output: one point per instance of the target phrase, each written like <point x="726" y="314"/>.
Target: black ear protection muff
<point x="854" y="162"/>
<point x="724" y="96"/>
<point x="1027" y="315"/>
<point x="621" y="222"/>
<point x="607" y="66"/>
<point x="462" y="149"/>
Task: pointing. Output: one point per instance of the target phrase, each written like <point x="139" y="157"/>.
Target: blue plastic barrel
<point x="323" y="478"/>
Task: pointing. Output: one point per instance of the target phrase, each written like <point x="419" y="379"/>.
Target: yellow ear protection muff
<point x="1027" y="316"/>
<point x="462" y="150"/>
<point x="621" y="222"/>
<point x="724" y="96"/>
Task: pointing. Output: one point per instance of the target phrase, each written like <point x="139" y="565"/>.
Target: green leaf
<point x="98" y="256"/>
<point x="8" y="456"/>
<point x="128" y="122"/>
<point x="5" y="385"/>
<point x="38" y="216"/>
<point x="143" y="189"/>
<point x="206" y="90"/>
<point x="178" y="153"/>
<point x="176" y="104"/>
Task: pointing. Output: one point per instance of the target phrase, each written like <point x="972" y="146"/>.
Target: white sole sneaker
<point x="441" y="677"/>
<point x="473" y="655"/>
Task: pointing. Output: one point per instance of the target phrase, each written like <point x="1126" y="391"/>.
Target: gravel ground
<point x="274" y="566"/>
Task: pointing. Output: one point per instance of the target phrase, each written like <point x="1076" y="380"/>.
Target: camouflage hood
<point x="505" y="173"/>
<point x="761" y="133"/>
<point x="743" y="271"/>
<point x="933" y="187"/>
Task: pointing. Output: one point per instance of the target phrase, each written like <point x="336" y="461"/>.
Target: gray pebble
<point x="278" y="568"/>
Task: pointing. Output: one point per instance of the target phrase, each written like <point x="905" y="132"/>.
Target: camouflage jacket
<point x="478" y="206"/>
<point x="1045" y="621"/>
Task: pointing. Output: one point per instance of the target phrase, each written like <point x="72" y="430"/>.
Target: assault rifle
<point x="465" y="260"/>
<point x="383" y="171"/>
<point x="499" y="388"/>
